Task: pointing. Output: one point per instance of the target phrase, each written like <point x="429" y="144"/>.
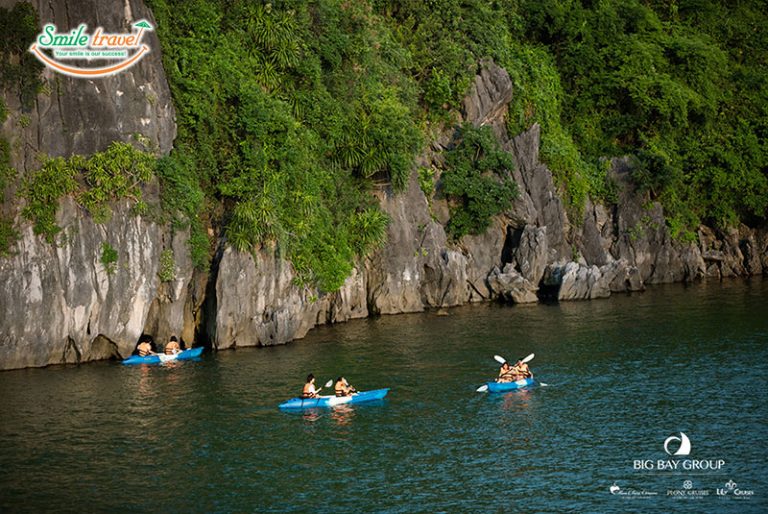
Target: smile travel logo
<point x="78" y="44"/>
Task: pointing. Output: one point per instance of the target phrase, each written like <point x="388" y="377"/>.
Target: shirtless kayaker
<point x="343" y="388"/>
<point x="172" y="346"/>
<point x="144" y="348"/>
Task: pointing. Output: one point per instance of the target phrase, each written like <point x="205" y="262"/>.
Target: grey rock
<point x="484" y="253"/>
<point x="488" y="97"/>
<point x="511" y="286"/>
<point x="59" y="304"/>
<point x="530" y="256"/>
<point x="538" y="203"/>
<point x="581" y="282"/>
<point x="258" y="303"/>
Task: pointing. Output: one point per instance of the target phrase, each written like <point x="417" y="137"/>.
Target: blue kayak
<point x="500" y="387"/>
<point x="161" y="358"/>
<point x="332" y="401"/>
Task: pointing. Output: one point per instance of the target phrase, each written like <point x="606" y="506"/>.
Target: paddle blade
<point x="499" y="359"/>
<point x="483" y="388"/>
<point x="329" y="383"/>
<point x="529" y="358"/>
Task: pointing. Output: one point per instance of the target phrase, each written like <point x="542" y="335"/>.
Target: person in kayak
<point x="172" y="346"/>
<point x="522" y="370"/>
<point x="309" y="388"/>
<point x="343" y="388"/>
<point x="506" y="373"/>
<point x="144" y="348"/>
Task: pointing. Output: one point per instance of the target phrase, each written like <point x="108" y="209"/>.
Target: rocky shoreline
<point x="59" y="305"/>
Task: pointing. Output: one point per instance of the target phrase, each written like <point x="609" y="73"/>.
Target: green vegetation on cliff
<point x="681" y="85"/>
<point x="477" y="181"/>
<point x="290" y="113"/>
<point x="95" y="182"/>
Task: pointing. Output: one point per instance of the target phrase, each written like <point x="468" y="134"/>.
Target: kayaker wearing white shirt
<point x="309" y="388"/>
<point x="343" y="388"/>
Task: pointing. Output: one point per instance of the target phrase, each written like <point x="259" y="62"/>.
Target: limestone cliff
<point x="59" y="304"/>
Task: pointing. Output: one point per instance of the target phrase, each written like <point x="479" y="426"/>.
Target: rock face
<point x="61" y="304"/>
<point x="81" y="116"/>
<point x="58" y="303"/>
<point x="73" y="310"/>
<point x="259" y="304"/>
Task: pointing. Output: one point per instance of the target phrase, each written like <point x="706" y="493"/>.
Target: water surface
<point x="623" y="374"/>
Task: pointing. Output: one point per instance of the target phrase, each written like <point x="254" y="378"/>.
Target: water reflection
<point x="516" y="400"/>
<point x="343" y="414"/>
<point x="311" y="415"/>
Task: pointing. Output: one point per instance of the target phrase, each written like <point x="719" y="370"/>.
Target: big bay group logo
<point x="684" y="444"/>
<point x="678" y="445"/>
<point x="65" y="52"/>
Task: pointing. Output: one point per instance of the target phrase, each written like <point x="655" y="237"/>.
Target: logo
<point x="732" y="488"/>
<point x="688" y="492"/>
<point x="78" y="44"/>
<point x="683" y="449"/>
<point x="678" y="447"/>
<point x="630" y="492"/>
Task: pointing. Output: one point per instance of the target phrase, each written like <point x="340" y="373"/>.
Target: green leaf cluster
<point x="95" y="182"/>
<point x="108" y="258"/>
<point x="167" y="272"/>
<point x="19" y="70"/>
<point x="477" y="181"/>
<point x="8" y="236"/>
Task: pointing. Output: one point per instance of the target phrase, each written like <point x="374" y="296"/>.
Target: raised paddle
<point x="502" y="360"/>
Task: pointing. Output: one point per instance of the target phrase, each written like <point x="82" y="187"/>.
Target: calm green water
<point x="623" y="375"/>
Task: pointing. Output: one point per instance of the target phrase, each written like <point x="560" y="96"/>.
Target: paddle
<point x="501" y="360"/>
<point x="327" y="384"/>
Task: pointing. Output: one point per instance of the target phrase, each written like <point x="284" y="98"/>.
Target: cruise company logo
<point x="732" y="489"/>
<point x="688" y="491"/>
<point x="684" y="445"/>
<point x="678" y="446"/>
<point x="61" y="51"/>
<point x="616" y="490"/>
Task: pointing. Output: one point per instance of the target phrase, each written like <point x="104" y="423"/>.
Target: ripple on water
<point x="207" y="437"/>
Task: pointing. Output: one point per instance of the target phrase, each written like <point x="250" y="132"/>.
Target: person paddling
<point x="506" y="373"/>
<point x="145" y="348"/>
<point x="173" y="346"/>
<point x="309" y="390"/>
<point x="521" y="370"/>
<point x="343" y="388"/>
